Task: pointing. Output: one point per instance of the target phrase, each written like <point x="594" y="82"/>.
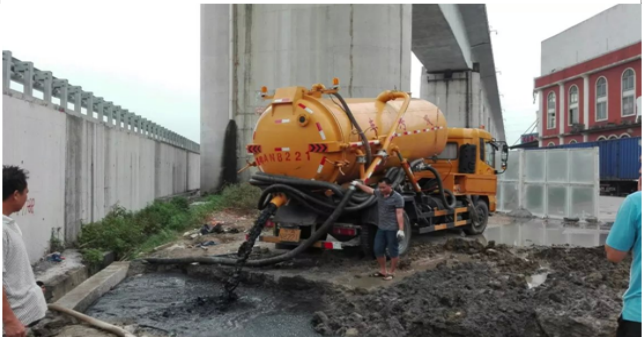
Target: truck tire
<point x="368" y="233"/>
<point x="367" y="239"/>
<point x="476" y="228"/>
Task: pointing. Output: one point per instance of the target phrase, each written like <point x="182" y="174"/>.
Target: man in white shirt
<point x="23" y="301"/>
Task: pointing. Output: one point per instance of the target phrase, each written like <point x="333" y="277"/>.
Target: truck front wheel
<point x="478" y="227"/>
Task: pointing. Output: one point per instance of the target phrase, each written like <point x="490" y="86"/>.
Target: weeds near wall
<point x="241" y="196"/>
<point x="129" y="234"/>
<point x="55" y="243"/>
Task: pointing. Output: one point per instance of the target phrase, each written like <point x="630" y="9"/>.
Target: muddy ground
<point x="490" y="295"/>
<point x="469" y="289"/>
<point x="448" y="285"/>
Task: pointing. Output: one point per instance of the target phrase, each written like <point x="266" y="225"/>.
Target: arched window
<point x="601" y="138"/>
<point x="573" y="141"/>
<point x="601" y="100"/>
<point x="551" y="144"/>
<point x="612" y="137"/>
<point x="625" y="135"/>
<point x="550" y="108"/>
<point x="628" y="92"/>
<point x="573" y="106"/>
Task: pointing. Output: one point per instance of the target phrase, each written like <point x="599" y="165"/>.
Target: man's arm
<point x="365" y="187"/>
<point x="399" y="205"/>
<point x="623" y="233"/>
<point x="400" y="218"/>
<point x="12" y="326"/>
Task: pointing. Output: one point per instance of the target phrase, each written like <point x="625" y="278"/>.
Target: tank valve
<point x="303" y="120"/>
<point x="335" y="83"/>
<point x="383" y="154"/>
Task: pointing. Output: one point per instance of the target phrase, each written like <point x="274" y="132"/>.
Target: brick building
<point x="590" y="87"/>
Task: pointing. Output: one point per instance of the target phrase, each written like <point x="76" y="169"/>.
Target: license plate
<point x="289" y="235"/>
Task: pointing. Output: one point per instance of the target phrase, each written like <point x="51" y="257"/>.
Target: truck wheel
<point x="368" y="233"/>
<point x="367" y="239"/>
<point x="483" y="213"/>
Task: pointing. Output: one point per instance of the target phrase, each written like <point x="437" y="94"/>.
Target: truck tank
<point x="302" y="135"/>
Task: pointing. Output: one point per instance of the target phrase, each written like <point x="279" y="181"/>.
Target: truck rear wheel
<point x="368" y="233"/>
<point x="367" y="239"/>
<point x="478" y="227"/>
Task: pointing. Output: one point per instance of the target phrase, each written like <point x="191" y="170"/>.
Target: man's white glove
<point x="400" y="235"/>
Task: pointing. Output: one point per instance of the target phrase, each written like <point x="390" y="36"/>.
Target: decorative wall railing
<point x="95" y="108"/>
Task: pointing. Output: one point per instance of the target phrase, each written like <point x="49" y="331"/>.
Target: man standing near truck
<point x="390" y="225"/>
<point x="623" y="238"/>
<point x="23" y="301"/>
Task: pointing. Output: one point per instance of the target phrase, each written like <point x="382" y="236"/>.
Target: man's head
<point x="14" y="188"/>
<point x="385" y="186"/>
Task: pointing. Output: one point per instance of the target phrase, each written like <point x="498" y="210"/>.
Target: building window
<point x="601" y="138"/>
<point x="628" y="93"/>
<point x="550" y="108"/>
<point x="573" y="106"/>
<point x="601" y="106"/>
<point x="625" y="135"/>
<point x="573" y="141"/>
<point x="612" y="137"/>
<point x="551" y="144"/>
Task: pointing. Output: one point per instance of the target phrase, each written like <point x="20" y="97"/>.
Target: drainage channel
<point x="175" y="304"/>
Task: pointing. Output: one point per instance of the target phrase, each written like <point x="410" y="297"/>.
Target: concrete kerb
<point x="83" y="296"/>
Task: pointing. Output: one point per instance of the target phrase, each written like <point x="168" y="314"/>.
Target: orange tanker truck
<point x="309" y="145"/>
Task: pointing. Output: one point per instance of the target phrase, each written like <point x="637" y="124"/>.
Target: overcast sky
<point x="146" y="57"/>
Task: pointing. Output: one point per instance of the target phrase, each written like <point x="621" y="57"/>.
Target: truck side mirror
<point x="501" y="145"/>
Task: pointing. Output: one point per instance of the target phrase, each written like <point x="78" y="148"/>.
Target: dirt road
<point x="447" y="286"/>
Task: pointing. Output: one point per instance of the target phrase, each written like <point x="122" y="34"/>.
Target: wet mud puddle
<point x="173" y="304"/>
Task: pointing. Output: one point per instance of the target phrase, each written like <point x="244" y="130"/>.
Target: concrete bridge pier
<point x="245" y="47"/>
<point x="453" y="44"/>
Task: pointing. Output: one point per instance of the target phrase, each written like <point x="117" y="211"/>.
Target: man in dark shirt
<point x="390" y="215"/>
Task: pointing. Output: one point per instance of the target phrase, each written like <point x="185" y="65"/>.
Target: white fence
<point x="84" y="157"/>
<point x="554" y="183"/>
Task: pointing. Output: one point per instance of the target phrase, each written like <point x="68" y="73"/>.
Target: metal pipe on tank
<point x="384" y="97"/>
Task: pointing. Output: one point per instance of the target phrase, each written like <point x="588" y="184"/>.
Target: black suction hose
<point x="366" y="145"/>
<point x="272" y="260"/>
<point x="292" y="187"/>
<point x="453" y="201"/>
<point x="277" y="179"/>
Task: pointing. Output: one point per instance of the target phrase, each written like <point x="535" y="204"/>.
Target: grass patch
<point x="241" y="196"/>
<point x="129" y="234"/>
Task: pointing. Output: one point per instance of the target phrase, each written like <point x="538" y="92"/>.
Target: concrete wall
<point x="216" y="89"/>
<point x="366" y="46"/>
<point x="80" y="169"/>
<point x="449" y="94"/>
<point x="610" y="30"/>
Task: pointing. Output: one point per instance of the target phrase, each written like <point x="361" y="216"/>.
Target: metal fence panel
<point x="552" y="183"/>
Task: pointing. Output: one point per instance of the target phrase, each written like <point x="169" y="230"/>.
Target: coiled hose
<point x="293" y="187"/>
<point x="442" y="190"/>
<point x="271" y="260"/>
